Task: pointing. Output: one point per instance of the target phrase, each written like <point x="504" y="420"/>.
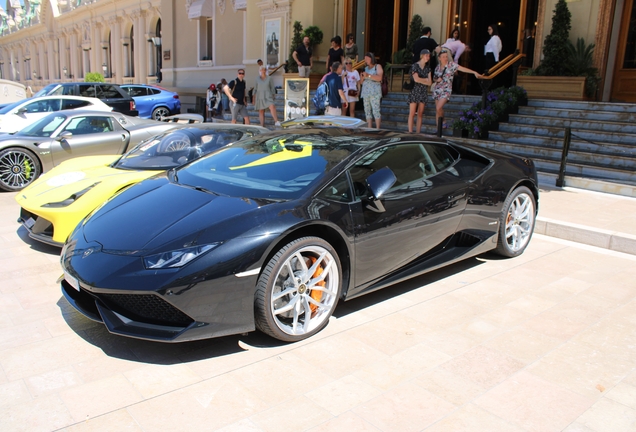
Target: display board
<point x="296" y="98"/>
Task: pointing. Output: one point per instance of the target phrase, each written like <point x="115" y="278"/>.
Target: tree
<point x="415" y="32"/>
<point x="297" y="39"/>
<point x="555" y="47"/>
<point x="94" y="77"/>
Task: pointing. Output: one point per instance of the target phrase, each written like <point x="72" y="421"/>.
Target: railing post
<point x="564" y="156"/>
<point x="440" y="125"/>
<point x="485" y="86"/>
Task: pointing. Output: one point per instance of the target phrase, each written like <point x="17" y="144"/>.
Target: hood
<point x="75" y="175"/>
<point x="157" y="214"/>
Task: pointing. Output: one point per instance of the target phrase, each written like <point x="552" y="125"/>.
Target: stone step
<point x="604" y="126"/>
<point x="576" y="144"/>
<point x="582" y="105"/>
<point x="625" y="117"/>
<point x="596" y="137"/>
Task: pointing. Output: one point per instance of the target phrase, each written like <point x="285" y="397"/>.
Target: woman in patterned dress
<point x="443" y="80"/>
<point x="372" y="89"/>
<point x="421" y="74"/>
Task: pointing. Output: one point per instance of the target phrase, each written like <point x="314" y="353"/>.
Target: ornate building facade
<point x="188" y="44"/>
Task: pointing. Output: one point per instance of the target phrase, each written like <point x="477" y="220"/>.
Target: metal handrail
<point x="276" y="70"/>
<point x="509" y="62"/>
<point x="499" y="64"/>
<point x="486" y="80"/>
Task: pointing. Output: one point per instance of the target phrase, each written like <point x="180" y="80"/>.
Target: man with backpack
<point x="335" y="99"/>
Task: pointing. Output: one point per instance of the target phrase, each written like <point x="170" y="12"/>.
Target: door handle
<point x="123" y="137"/>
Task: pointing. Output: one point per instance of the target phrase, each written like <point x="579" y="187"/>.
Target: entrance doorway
<point x="380" y="26"/>
<point x="624" y="83"/>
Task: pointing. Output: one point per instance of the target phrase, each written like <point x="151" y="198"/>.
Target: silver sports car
<point x="67" y="134"/>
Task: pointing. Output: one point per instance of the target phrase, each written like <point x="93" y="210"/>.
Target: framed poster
<point x="296" y="98"/>
<point x="272" y="42"/>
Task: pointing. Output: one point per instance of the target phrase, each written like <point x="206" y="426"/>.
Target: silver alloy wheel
<point x="160" y="112"/>
<point x="305" y="291"/>
<point x="519" y="222"/>
<point x="18" y="169"/>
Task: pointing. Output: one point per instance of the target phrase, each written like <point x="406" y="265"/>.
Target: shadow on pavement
<point x="36" y="245"/>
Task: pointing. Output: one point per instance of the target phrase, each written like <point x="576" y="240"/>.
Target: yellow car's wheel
<point x="18" y="169"/>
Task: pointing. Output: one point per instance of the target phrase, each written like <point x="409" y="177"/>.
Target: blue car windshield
<point x="175" y="148"/>
<point x="282" y="167"/>
<point x="44" y="127"/>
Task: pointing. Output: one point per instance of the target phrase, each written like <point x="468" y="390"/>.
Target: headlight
<point x="176" y="258"/>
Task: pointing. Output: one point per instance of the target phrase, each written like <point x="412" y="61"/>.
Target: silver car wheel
<point x="305" y="291"/>
<point x="18" y="169"/>
<point x="520" y="222"/>
<point x="160" y="112"/>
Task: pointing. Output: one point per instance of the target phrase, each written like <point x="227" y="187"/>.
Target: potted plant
<point x="552" y="79"/>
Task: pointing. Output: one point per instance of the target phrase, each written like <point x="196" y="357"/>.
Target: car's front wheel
<point x="160" y="112"/>
<point x="298" y="290"/>
<point x="516" y="223"/>
<point x="18" y="169"/>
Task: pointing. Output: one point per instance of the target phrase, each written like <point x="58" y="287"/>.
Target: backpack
<point x="321" y="98"/>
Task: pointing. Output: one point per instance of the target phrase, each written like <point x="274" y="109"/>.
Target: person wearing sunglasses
<point x="235" y="91"/>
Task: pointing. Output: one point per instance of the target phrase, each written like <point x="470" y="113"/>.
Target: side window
<point x="86" y="90"/>
<point x="36" y="107"/>
<point x="61" y="90"/>
<point x="108" y="91"/>
<point x="338" y="190"/>
<point x="136" y="91"/>
<point x="154" y="91"/>
<point x="411" y="163"/>
<point x="73" y="104"/>
<point x="89" y="125"/>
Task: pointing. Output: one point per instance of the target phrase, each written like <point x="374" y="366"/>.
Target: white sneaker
<point x="277" y="124"/>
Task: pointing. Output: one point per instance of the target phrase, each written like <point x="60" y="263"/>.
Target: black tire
<point x="18" y="168"/>
<point x="305" y="296"/>
<point x="160" y="112"/>
<point x="516" y="223"/>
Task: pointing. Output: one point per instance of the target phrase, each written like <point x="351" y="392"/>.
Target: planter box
<point x="460" y="133"/>
<point x="542" y="87"/>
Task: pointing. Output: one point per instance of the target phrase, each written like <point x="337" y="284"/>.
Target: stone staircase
<point x="603" y="144"/>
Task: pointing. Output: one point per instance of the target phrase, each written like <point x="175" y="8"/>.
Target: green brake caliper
<point x="27" y="169"/>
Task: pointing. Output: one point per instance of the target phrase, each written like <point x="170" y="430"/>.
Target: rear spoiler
<point x="183" y="118"/>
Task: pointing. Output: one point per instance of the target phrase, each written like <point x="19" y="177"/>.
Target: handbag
<point x="352" y="92"/>
<point x="408" y="85"/>
<point x="385" y="85"/>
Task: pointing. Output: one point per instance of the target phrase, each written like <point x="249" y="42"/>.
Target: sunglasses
<point x="348" y="63"/>
<point x="241" y="73"/>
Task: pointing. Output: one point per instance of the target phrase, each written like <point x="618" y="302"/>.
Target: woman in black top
<point x="421" y="74"/>
<point x="336" y="54"/>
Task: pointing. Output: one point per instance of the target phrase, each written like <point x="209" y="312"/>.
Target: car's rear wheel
<point x="298" y="290"/>
<point x="516" y="223"/>
<point x="160" y="112"/>
<point x="18" y="169"/>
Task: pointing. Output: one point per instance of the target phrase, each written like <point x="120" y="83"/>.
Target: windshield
<point x="46" y="90"/>
<point x="7" y="109"/>
<point x="43" y="128"/>
<point x="175" y="148"/>
<point x="282" y="167"/>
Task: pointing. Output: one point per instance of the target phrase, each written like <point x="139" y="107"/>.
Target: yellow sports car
<point x="53" y="205"/>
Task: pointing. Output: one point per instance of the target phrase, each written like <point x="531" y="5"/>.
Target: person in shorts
<point x="235" y="91"/>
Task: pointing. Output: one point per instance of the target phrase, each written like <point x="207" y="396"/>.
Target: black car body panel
<point x="420" y="225"/>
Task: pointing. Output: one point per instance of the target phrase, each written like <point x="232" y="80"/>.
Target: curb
<point x="612" y="240"/>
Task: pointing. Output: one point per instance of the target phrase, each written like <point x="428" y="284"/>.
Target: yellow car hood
<point x="70" y="191"/>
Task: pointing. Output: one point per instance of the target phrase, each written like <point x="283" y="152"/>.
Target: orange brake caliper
<point x="315" y="294"/>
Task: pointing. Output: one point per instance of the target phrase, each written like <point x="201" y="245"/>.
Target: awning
<point x="200" y="8"/>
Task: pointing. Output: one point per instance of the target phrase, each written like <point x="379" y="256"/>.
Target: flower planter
<point x="460" y="133"/>
<point x="480" y="135"/>
<point x="542" y="87"/>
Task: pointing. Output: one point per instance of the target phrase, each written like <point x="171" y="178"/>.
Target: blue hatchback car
<point x="153" y="101"/>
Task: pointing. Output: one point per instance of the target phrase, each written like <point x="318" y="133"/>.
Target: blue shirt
<point x="334" y="81"/>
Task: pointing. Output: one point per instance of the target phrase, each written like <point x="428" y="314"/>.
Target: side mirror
<point x="379" y="182"/>
<point x="64" y="135"/>
<point x="22" y="110"/>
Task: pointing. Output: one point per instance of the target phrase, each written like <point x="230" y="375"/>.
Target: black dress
<point x="334" y="56"/>
<point x="419" y="94"/>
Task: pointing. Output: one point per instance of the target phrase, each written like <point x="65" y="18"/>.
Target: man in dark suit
<point x="425" y="42"/>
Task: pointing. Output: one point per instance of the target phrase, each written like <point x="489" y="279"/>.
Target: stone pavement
<point x="542" y="342"/>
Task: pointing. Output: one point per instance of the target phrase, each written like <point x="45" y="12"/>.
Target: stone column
<point x="50" y="56"/>
<point x="152" y="64"/>
<point x="74" y="50"/>
<point x="117" y="63"/>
